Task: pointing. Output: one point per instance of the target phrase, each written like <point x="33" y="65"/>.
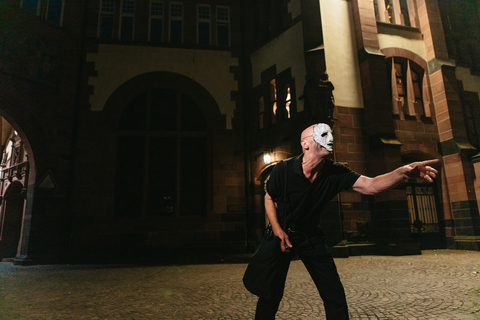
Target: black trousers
<point x="320" y="265"/>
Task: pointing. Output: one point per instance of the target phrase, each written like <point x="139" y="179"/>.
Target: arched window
<point x="288" y="100"/>
<point x="399" y="12"/>
<point x="273" y="101"/>
<point x="410" y="90"/>
<point x="162" y="156"/>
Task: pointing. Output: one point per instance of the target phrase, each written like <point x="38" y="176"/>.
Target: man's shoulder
<point x="289" y="162"/>
<point x="292" y="159"/>
<point x="338" y="166"/>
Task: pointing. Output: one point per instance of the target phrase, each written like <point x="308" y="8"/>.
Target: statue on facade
<point x="318" y="97"/>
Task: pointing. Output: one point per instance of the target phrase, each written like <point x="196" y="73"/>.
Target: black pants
<point x="320" y="265"/>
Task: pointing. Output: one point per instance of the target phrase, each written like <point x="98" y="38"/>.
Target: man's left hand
<point x="422" y="169"/>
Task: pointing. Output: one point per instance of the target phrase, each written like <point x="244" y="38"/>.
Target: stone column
<point x="389" y="209"/>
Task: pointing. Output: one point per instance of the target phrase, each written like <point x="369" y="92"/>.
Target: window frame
<point x="37" y="11"/>
<point x="261" y="112"/>
<point x="273" y="100"/>
<point x="160" y="17"/>
<point x="207" y="21"/>
<point x="106" y="14"/>
<point x="403" y="83"/>
<point x="287" y="98"/>
<point x="472" y="122"/>
<point x="413" y="104"/>
<point x="60" y="18"/>
<point x="419" y="105"/>
<point x="222" y="23"/>
<point x="396" y="12"/>
<point x="172" y="18"/>
<point x="123" y="15"/>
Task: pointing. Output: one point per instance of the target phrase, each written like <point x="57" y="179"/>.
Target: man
<point x="297" y="192"/>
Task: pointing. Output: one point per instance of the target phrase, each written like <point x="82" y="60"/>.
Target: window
<point x="417" y="91"/>
<point x="404" y="13"/>
<point x="377" y="10"/>
<point x="275" y="98"/>
<point x="261" y="112"/>
<point x="408" y="84"/>
<point x="30" y="6"/>
<point x="127" y="19"/>
<point x="472" y="117"/>
<point x="398" y="88"/>
<point x="161" y="157"/>
<point x="223" y="26"/>
<point x="401" y="12"/>
<point x="176" y="22"/>
<point x="389" y="11"/>
<point x="203" y="24"/>
<point x="156" y="21"/>
<point x="55" y="11"/>
<point x="288" y="100"/>
<point x="105" y="23"/>
<point x="273" y="101"/>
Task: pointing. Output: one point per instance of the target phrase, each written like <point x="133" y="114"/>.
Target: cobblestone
<point x="439" y="284"/>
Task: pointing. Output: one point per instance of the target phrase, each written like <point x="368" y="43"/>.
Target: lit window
<point x="407" y="84"/>
<point x="176" y="23"/>
<point x="288" y="100"/>
<point x="55" y="11"/>
<point x="389" y="9"/>
<point x="223" y="26"/>
<point x="417" y="91"/>
<point x="400" y="83"/>
<point x="156" y="21"/>
<point x="127" y="20"/>
<point x="203" y="22"/>
<point x="261" y="112"/>
<point x="401" y="12"/>
<point x="105" y="23"/>
<point x="273" y="101"/>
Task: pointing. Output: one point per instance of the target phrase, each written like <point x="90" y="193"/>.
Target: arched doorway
<point x="167" y="130"/>
<point x="15" y="177"/>
<point x="422" y="208"/>
<point x="161" y="156"/>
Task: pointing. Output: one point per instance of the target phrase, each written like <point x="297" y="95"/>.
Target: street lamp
<point x="267" y="159"/>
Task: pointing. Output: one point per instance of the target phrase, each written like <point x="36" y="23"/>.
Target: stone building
<point x="138" y="129"/>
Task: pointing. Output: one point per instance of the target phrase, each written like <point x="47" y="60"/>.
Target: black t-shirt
<point x="306" y="200"/>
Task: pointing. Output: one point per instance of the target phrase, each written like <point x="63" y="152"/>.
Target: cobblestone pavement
<point x="439" y="284"/>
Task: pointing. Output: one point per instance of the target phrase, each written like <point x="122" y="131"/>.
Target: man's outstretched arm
<point x="422" y="169"/>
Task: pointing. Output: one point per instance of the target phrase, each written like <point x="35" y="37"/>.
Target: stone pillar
<point x="462" y="218"/>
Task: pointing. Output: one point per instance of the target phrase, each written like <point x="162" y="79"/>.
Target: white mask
<point x="322" y="134"/>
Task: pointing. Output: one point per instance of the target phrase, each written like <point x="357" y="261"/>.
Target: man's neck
<point x="311" y="165"/>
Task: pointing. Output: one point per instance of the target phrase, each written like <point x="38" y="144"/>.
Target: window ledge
<point x="399" y="30"/>
<point x="423" y="119"/>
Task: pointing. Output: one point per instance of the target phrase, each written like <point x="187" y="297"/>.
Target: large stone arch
<point x="132" y="87"/>
<point x="404" y="53"/>
<point x="106" y="139"/>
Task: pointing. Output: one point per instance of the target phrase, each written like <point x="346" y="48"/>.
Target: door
<point x="422" y="207"/>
